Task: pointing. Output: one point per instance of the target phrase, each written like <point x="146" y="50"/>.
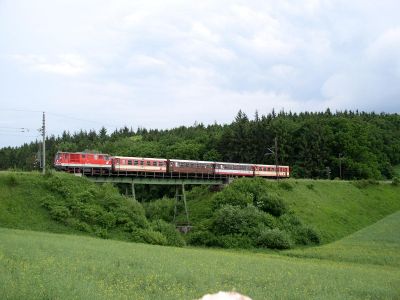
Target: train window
<point x="141" y="162"/>
<point x="101" y="157"/>
<point x="135" y="163"/>
<point x="106" y="157"/>
<point x="154" y="163"/>
<point x="148" y="163"/>
<point x="130" y="162"/>
<point x="83" y="156"/>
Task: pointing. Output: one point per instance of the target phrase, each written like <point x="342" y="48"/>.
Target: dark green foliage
<point x="363" y="183"/>
<point x="230" y="196"/>
<point x="203" y="238"/>
<point x="285" y="185"/>
<point x="235" y="241"/>
<point x="148" y="236"/>
<point x="396" y="181"/>
<point x="236" y="220"/>
<point x="300" y="233"/>
<point x="272" y="204"/>
<point x="174" y="238"/>
<point x="160" y="209"/>
<point x="362" y="145"/>
<point x="93" y="210"/>
<point x="274" y="239"/>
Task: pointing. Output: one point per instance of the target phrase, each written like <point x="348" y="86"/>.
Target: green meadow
<point x="37" y="265"/>
<point x="359" y="223"/>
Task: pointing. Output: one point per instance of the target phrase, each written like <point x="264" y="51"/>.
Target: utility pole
<point x="44" y="144"/>
<point x="275" y="153"/>
<point x="276" y="158"/>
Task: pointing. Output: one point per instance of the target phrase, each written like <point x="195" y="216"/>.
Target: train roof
<point x="192" y="161"/>
<point x="233" y="163"/>
<point x="139" y="158"/>
<point x="94" y="153"/>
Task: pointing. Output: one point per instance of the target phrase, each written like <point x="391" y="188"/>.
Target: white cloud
<point x="201" y="60"/>
<point x="65" y="64"/>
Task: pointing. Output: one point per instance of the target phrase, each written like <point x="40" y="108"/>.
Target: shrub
<point x="160" y="209"/>
<point x="78" y="225"/>
<point x="229" y="196"/>
<point x="274" y="239"/>
<point x="59" y="213"/>
<point x="234" y="219"/>
<point x="202" y="238"/>
<point x="148" y="236"/>
<point x="271" y="203"/>
<point x="301" y="233"/>
<point x="174" y="238"/>
<point x="363" y="183"/>
<point x="56" y="185"/>
<point x="396" y="181"/>
<point x="235" y="241"/>
<point x="306" y="235"/>
<point x="310" y="186"/>
<point x="285" y="185"/>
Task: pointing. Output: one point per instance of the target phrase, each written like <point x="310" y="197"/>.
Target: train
<point x="105" y="164"/>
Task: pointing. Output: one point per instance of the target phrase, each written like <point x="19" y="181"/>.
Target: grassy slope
<point x="335" y="208"/>
<point x="376" y="244"/>
<point x="20" y="203"/>
<point x="338" y="209"/>
<point x="39" y="265"/>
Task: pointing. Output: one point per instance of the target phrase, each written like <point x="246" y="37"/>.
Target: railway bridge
<point x="178" y="181"/>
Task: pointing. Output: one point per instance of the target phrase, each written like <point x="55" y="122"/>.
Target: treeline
<point x="349" y="144"/>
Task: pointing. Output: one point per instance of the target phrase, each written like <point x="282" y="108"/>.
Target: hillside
<point x="376" y="244"/>
<point x="38" y="265"/>
<point x="334" y="208"/>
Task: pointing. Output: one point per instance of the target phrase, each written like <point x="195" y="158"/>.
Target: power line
<point x="80" y="119"/>
<point x="19" y="135"/>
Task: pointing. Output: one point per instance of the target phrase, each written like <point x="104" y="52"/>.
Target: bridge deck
<point x="158" y="181"/>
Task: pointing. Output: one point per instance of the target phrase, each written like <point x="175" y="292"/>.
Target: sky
<point x="161" y="64"/>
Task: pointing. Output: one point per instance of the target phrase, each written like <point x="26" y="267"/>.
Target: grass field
<point x="340" y="208"/>
<point x="376" y="244"/>
<point x="39" y="265"/>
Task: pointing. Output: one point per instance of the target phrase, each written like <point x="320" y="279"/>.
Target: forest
<point x="325" y="145"/>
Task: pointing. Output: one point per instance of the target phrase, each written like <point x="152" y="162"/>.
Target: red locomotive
<point x="99" y="164"/>
<point x="82" y="162"/>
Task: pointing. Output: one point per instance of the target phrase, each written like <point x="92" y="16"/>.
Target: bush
<point x="202" y="238"/>
<point x="274" y="239"/>
<point x="235" y="241"/>
<point x="59" y="213"/>
<point x="174" y="238"/>
<point x="306" y="235"/>
<point x="229" y="196"/>
<point x="285" y="185"/>
<point x="148" y="236"/>
<point x="160" y="209"/>
<point x="78" y="225"/>
<point x="234" y="220"/>
<point x="301" y="233"/>
<point x="363" y="183"/>
<point x="396" y="181"/>
<point x="271" y="203"/>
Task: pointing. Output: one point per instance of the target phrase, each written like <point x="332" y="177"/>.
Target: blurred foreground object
<point x="225" y="296"/>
